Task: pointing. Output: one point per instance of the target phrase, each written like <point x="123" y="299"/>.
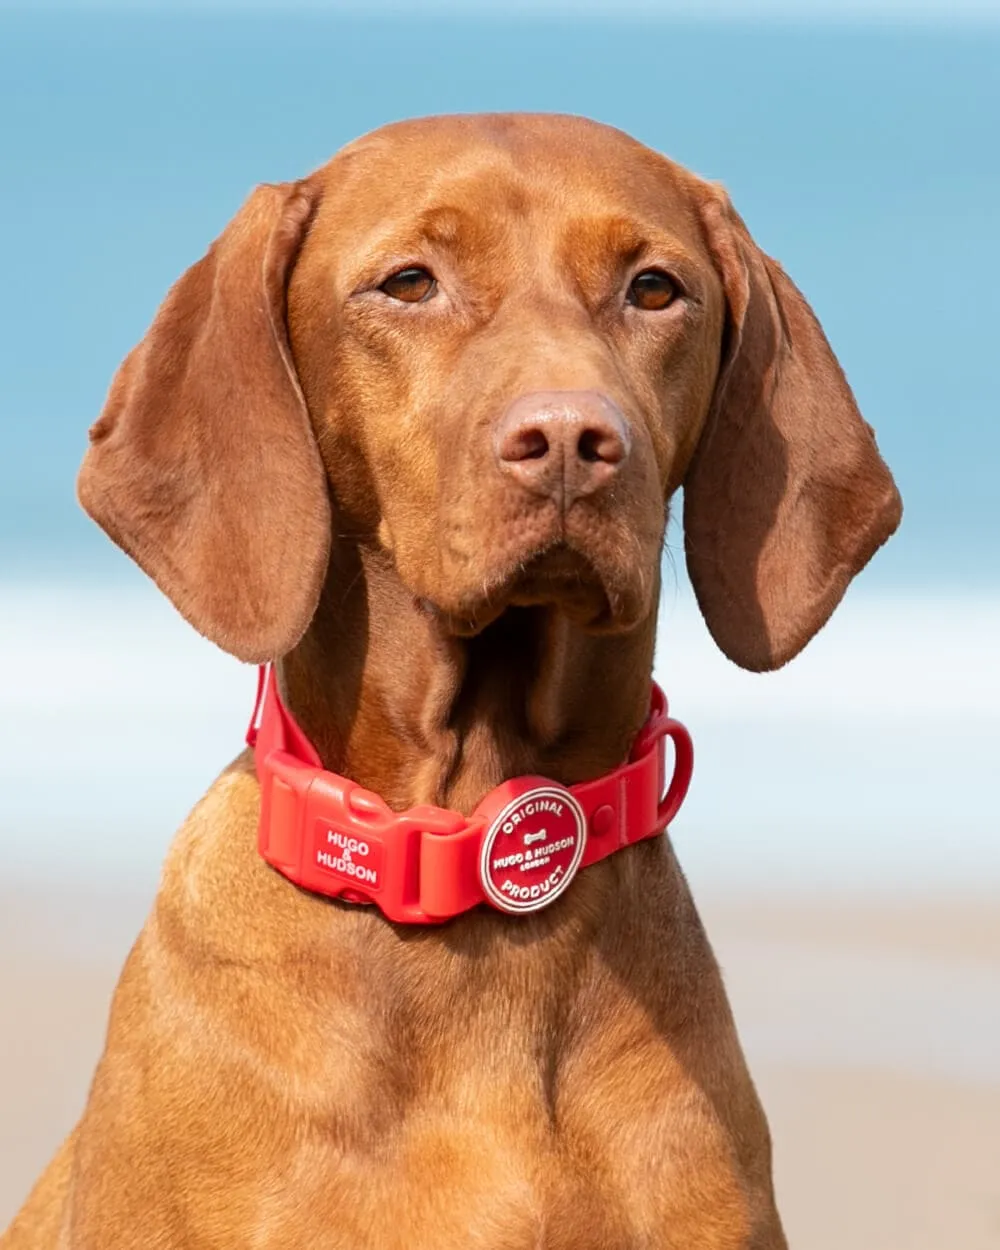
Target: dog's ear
<point x="786" y="497"/>
<point x="203" y="465"/>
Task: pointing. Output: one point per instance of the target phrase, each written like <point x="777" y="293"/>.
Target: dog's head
<point x="494" y="346"/>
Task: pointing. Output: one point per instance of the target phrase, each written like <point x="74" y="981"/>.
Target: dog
<point x="409" y="433"/>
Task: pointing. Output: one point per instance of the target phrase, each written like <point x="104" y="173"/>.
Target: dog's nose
<point x="564" y="444"/>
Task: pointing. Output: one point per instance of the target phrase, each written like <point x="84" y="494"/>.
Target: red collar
<point x="518" y="851"/>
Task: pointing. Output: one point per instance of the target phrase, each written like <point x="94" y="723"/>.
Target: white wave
<point x="867" y="762"/>
<point x="886" y="659"/>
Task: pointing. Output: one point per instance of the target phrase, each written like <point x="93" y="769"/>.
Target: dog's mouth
<point x="558" y="577"/>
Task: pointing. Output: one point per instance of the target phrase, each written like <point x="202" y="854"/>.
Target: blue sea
<point x="867" y="160"/>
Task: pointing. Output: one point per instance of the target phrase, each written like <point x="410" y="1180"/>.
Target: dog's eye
<point x="652" y="290"/>
<point x="410" y="285"/>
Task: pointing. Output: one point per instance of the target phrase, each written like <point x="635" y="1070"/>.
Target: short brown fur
<point x="305" y="468"/>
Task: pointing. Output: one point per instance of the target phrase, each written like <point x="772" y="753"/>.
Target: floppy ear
<point x="203" y="465"/>
<point x="787" y="497"/>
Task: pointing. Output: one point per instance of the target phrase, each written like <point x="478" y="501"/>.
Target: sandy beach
<point x="872" y="1028"/>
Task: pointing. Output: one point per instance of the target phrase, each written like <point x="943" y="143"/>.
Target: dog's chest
<point x="471" y="1192"/>
<point x="521" y="1099"/>
<point x="492" y="1135"/>
<point x="489" y="1167"/>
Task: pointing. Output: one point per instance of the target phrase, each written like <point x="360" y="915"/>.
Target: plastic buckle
<point x="360" y="849"/>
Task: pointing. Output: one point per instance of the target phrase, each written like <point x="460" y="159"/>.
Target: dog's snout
<point x="564" y="444"/>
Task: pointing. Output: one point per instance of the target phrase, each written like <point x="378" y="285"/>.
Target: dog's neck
<point x="394" y="702"/>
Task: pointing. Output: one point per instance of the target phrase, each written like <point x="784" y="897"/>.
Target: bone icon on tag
<point x="540" y="836"/>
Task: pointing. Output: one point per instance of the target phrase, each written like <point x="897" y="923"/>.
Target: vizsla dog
<point x="409" y="431"/>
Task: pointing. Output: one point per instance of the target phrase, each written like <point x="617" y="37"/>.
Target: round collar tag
<point x="532" y="849"/>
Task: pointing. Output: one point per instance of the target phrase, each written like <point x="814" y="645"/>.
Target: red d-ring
<point x="683" y="768"/>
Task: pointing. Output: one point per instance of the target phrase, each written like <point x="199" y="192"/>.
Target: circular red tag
<point x="532" y="849"/>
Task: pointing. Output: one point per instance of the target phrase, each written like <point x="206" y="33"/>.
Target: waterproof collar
<point x="518" y="851"/>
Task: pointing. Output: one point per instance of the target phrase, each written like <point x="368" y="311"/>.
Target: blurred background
<point x="842" y="832"/>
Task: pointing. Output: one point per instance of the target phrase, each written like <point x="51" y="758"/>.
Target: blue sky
<point x="898" y="12"/>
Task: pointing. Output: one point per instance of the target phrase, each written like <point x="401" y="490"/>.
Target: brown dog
<point x="411" y="427"/>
